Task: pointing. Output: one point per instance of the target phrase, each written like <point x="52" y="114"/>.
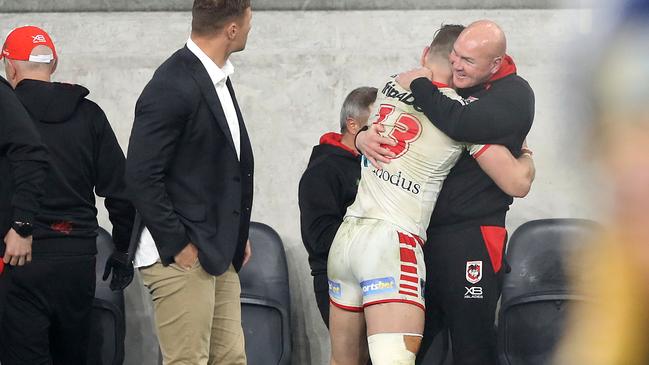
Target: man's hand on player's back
<point x="406" y="78"/>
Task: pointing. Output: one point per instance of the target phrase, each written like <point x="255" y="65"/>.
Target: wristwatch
<point x="24" y="229"/>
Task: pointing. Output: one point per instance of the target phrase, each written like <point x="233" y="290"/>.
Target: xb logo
<point x="473" y="291"/>
<point x="38" y="39"/>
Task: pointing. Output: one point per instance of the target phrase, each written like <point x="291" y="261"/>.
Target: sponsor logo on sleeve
<point x="379" y="286"/>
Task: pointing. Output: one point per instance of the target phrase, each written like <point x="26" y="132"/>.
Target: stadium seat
<point x="265" y="299"/>
<point x="537" y="292"/>
<point x="108" y="323"/>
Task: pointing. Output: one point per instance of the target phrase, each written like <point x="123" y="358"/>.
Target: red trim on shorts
<point x="410" y="279"/>
<point x="395" y="301"/>
<point x="408" y="255"/>
<point x="404" y="238"/>
<point x="482" y="150"/>
<point x="408" y="293"/>
<point x="409" y="269"/>
<point x="409" y="287"/>
<point x="346" y="307"/>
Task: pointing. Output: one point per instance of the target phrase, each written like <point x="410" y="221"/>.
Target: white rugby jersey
<point x="404" y="191"/>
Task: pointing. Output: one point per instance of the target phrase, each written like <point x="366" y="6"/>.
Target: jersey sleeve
<point x="452" y="94"/>
<point x="475" y="150"/>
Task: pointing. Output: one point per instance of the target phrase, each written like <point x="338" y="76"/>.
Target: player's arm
<point x="513" y="175"/>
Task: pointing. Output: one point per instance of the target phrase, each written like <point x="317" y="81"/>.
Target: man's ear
<point x="424" y="56"/>
<point x="352" y="125"/>
<point x="496" y="63"/>
<point x="231" y="30"/>
<point x="10" y="69"/>
<point x="55" y="63"/>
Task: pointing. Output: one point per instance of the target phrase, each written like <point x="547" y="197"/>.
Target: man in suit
<point x="190" y="170"/>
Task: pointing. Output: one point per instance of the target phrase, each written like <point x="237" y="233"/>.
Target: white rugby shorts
<point x="372" y="261"/>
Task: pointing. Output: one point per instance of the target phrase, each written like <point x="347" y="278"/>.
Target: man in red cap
<point x="49" y="301"/>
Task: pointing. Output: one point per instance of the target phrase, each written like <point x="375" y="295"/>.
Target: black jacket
<point x="85" y="158"/>
<point x="23" y="163"/>
<point x="327" y="187"/>
<point x="499" y="112"/>
<point x="184" y="176"/>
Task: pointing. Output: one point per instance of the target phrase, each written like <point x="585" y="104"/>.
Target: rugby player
<point x="466" y="235"/>
<point x="376" y="265"/>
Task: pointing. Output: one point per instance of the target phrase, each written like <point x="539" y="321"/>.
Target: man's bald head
<point x="17" y="71"/>
<point x="478" y="53"/>
<point x="487" y="35"/>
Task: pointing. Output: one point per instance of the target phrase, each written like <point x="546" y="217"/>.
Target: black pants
<point x="321" y="289"/>
<point x="47" y="312"/>
<point x="464" y="271"/>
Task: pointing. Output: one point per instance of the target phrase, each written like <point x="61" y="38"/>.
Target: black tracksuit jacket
<point x="327" y="187"/>
<point x="85" y="158"/>
<point x="500" y="111"/>
<point x="23" y="163"/>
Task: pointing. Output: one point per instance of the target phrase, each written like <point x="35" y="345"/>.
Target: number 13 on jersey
<point x="406" y="128"/>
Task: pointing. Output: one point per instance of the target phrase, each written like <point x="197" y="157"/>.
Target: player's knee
<point x="393" y="348"/>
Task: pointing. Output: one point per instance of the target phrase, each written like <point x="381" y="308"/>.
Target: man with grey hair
<point x="49" y="301"/>
<point x="328" y="187"/>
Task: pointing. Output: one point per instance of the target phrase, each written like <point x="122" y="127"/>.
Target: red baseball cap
<point x="21" y="41"/>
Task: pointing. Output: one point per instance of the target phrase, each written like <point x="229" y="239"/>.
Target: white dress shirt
<point x="147" y="252"/>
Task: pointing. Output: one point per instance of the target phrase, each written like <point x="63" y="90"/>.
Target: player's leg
<point x="348" y="337"/>
<point x="394" y="332"/>
<point x="393" y="279"/>
<point x="346" y="319"/>
<point x="471" y="295"/>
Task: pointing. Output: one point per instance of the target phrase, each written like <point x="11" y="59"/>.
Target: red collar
<point x="507" y="68"/>
<point x="439" y="84"/>
<point x="334" y="139"/>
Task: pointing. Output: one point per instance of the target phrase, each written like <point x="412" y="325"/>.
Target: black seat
<point x="537" y="292"/>
<point x="265" y="299"/>
<point x="108" y="327"/>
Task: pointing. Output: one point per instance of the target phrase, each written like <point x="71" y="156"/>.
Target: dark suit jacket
<point x="182" y="169"/>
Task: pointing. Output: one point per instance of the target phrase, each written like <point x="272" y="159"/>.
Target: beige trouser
<point x="197" y="315"/>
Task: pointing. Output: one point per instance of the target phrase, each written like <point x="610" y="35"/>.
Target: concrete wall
<point x="290" y="83"/>
<point x="183" y="5"/>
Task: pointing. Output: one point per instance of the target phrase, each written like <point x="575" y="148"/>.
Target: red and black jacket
<point x="327" y="188"/>
<point x="500" y="111"/>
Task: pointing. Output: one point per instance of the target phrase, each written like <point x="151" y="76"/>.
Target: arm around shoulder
<point x="513" y="175"/>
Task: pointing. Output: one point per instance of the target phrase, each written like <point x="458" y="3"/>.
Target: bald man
<point x="466" y="236"/>
<point x="49" y="301"/>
